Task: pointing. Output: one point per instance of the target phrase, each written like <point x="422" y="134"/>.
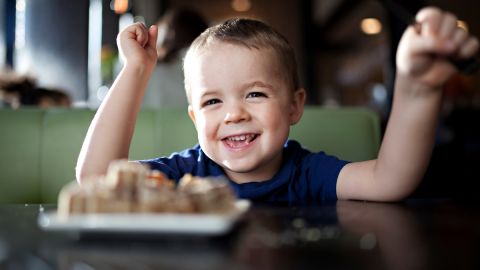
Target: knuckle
<point x="475" y="44"/>
<point x="430" y="11"/>
<point x="450" y="16"/>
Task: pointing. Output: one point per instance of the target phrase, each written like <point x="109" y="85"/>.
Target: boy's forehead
<point x="215" y="48"/>
<point x="222" y="57"/>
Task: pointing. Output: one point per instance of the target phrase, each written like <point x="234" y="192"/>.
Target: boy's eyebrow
<point x="209" y="92"/>
<point x="257" y="83"/>
<point x="244" y="86"/>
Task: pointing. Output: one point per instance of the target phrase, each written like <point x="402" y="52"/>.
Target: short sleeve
<point x="322" y="173"/>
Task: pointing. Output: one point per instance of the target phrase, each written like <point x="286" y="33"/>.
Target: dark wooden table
<point x="416" y="234"/>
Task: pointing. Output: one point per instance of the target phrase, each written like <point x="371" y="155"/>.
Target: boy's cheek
<point x="203" y="129"/>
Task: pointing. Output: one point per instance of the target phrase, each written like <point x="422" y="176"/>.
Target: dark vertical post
<point x="396" y="27"/>
<point x="9" y="31"/>
<point x="110" y="24"/>
<point x="310" y="55"/>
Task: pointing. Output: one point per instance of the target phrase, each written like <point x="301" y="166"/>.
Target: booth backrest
<point x="349" y="133"/>
<point x="20" y="139"/>
<point x="39" y="148"/>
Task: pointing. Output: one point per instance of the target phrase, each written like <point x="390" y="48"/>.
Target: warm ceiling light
<point x="371" y="26"/>
<point x="241" y="5"/>
<point x="120" y="6"/>
<point x="463" y="25"/>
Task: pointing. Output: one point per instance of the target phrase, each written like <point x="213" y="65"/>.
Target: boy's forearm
<point x="111" y="130"/>
<point x="409" y="137"/>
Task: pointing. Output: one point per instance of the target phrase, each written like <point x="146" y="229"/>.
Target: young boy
<point x="243" y="93"/>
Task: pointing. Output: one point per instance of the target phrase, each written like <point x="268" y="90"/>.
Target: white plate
<point x="209" y="224"/>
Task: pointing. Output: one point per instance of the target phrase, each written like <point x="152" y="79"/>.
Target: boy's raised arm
<point x="111" y="130"/>
<point x="422" y="69"/>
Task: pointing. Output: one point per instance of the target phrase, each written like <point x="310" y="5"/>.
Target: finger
<point x="431" y="45"/>
<point x="447" y="26"/>
<point x="430" y="20"/>
<point x="152" y="36"/>
<point x="141" y="34"/>
<point x="470" y="48"/>
<point x="460" y="37"/>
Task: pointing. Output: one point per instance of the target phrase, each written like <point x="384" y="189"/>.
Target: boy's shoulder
<point x="302" y="157"/>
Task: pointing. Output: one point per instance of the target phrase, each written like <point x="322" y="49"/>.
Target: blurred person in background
<point x="20" y="91"/>
<point x="177" y="28"/>
<point x="51" y="97"/>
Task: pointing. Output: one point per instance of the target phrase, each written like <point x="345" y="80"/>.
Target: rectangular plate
<point x="135" y="223"/>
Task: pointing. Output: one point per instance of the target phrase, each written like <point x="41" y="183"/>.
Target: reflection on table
<point x="441" y="234"/>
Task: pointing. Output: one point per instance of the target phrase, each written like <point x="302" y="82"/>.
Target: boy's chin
<point x="238" y="169"/>
<point x="245" y="174"/>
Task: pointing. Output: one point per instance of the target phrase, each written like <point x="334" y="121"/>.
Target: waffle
<point x="130" y="187"/>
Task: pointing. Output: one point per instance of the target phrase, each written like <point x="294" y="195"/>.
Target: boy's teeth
<point x="240" y="138"/>
<point x="240" y="141"/>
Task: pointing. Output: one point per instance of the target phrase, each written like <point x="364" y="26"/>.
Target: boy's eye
<point x="256" y="95"/>
<point x="211" y="102"/>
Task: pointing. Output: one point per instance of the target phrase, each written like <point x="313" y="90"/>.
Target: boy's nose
<point x="236" y="114"/>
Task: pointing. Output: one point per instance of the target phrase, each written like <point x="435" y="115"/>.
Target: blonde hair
<point x="251" y="34"/>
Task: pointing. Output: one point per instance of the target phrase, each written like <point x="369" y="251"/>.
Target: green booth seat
<point x="20" y="141"/>
<point x="64" y="131"/>
<point x="176" y="131"/>
<point x="39" y="148"/>
<point x="351" y="134"/>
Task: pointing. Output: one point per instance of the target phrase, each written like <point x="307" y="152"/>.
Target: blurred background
<point x="345" y="51"/>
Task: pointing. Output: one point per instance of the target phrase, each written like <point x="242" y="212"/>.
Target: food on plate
<point x="132" y="187"/>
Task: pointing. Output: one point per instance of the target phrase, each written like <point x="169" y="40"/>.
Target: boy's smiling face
<point x="242" y="109"/>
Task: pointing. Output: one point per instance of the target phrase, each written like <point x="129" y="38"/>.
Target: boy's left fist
<point x="426" y="47"/>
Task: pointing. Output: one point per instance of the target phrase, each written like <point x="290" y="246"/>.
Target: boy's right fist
<point x="137" y="45"/>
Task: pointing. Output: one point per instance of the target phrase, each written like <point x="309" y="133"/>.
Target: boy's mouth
<point x="238" y="141"/>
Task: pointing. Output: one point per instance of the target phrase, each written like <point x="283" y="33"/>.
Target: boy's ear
<point x="191" y="113"/>
<point x="297" y="105"/>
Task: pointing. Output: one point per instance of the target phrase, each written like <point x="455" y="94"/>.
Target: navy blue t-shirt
<point x="304" y="177"/>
